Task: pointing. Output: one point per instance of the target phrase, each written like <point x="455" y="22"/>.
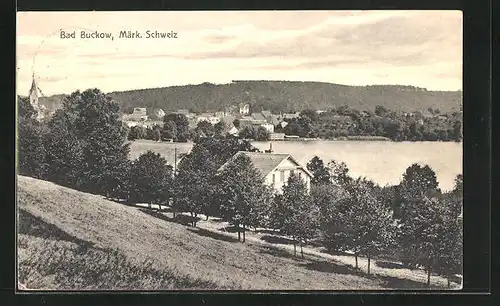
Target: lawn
<point x="73" y="240"/>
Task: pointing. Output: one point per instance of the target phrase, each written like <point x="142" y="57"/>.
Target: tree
<point x="380" y="110"/>
<point x="169" y="130"/>
<point x="206" y="128"/>
<point x="220" y="128"/>
<point x="312" y="114"/>
<point x="450" y="259"/>
<point x="243" y="197"/>
<point x="457" y="131"/>
<point x="64" y="152"/>
<point x="293" y="128"/>
<point x="330" y="200"/>
<point x="137" y="132"/>
<point x="298" y="214"/>
<point x="419" y="182"/>
<point x="24" y="108"/>
<point x="363" y="224"/>
<point x="151" y="179"/>
<point x="432" y="232"/>
<point x="87" y="140"/>
<point x="261" y="134"/>
<point x="373" y="227"/>
<point x="247" y="132"/>
<point x="195" y="179"/>
<point x="30" y="135"/>
<point x="320" y="172"/>
<point x="339" y="173"/>
<point x="182" y="126"/>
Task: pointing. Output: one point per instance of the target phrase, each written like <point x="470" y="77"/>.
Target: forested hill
<point x="288" y="96"/>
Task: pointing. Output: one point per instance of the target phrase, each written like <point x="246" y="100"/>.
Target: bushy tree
<point x="181" y="126"/>
<point x="297" y="214"/>
<point x="65" y="156"/>
<point x="339" y="173"/>
<point x="331" y="201"/>
<point x="24" y="108"/>
<point x="30" y="136"/>
<point x="243" y="197"/>
<point x="220" y="128"/>
<point x="206" y="128"/>
<point x="261" y="134"/>
<point x="137" y="132"/>
<point x="151" y="179"/>
<point x="374" y="225"/>
<point x="87" y="143"/>
<point x="457" y="131"/>
<point x="433" y="235"/>
<point x="380" y="110"/>
<point x="169" y="130"/>
<point x="364" y="225"/>
<point x="319" y="171"/>
<point x="195" y="179"/>
<point x="419" y="182"/>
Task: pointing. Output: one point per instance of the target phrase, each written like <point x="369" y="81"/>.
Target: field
<point x="72" y="240"/>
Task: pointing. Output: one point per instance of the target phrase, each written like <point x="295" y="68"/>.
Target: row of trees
<point x="344" y="121"/>
<point x="83" y="147"/>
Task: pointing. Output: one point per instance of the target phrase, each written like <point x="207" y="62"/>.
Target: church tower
<point x="33" y="96"/>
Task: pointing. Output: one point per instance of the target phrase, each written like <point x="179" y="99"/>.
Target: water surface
<point x="381" y="161"/>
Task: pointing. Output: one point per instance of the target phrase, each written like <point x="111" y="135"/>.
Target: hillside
<point x="73" y="240"/>
<point x="284" y="96"/>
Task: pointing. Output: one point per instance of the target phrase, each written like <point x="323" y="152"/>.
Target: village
<point x="241" y="113"/>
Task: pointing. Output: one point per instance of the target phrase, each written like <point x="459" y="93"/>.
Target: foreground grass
<point x="73" y="240"/>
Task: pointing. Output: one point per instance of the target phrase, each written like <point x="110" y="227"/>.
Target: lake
<point x="381" y="161"/>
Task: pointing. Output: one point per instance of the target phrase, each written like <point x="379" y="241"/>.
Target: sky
<point x="419" y="48"/>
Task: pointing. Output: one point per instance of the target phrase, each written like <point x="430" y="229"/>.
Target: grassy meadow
<point x="72" y="240"/>
<point x="69" y="240"/>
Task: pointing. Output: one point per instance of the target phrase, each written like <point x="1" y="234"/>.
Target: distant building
<point x="139" y="114"/>
<point x="283" y="124"/>
<point x="213" y="120"/>
<point x="291" y="115"/>
<point x="258" y="116"/>
<point x="268" y="126"/>
<point x="232" y="130"/>
<point x="244" y="109"/>
<point x="182" y="111"/>
<point x="276" y="168"/>
<point x="250" y="121"/>
<point x="220" y="114"/>
<point x="159" y="113"/>
<point x="266" y="114"/>
<point x="277" y="136"/>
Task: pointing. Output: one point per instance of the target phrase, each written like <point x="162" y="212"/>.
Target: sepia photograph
<point x="239" y="150"/>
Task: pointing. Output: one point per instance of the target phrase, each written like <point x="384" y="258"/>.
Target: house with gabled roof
<point x="275" y="168"/>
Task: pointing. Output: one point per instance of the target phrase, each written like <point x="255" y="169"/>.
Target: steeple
<point x="33" y="96"/>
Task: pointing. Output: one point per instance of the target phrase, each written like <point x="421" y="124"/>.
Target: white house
<point x="213" y="120"/>
<point x="276" y="168"/>
<point x="244" y="109"/>
<point x="139" y="114"/>
<point x="268" y="126"/>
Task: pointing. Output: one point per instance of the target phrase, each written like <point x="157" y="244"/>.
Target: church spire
<point x="33" y="96"/>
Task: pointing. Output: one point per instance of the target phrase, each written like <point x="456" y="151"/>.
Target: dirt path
<point x="392" y="269"/>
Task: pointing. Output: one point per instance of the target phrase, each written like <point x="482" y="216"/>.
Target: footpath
<point x="259" y="237"/>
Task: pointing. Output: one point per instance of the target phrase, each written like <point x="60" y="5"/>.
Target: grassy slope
<point x="73" y="240"/>
<point x="276" y="96"/>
